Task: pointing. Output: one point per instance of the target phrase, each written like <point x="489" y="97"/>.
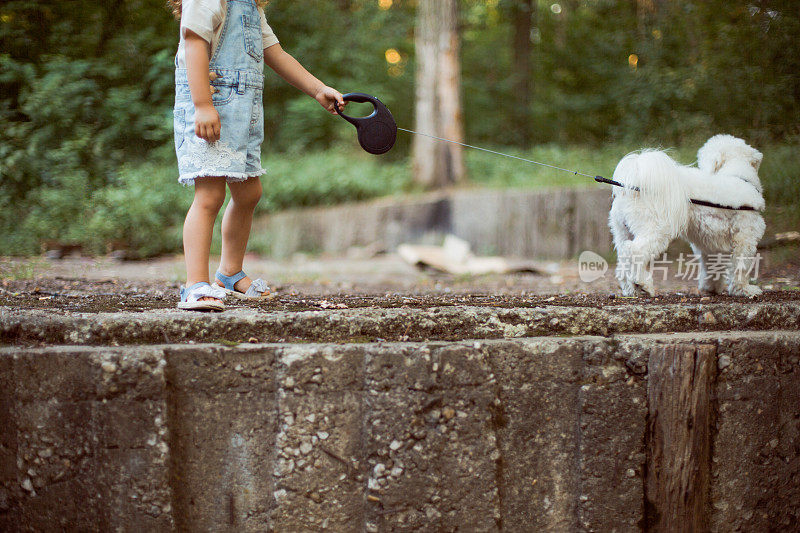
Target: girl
<point x="219" y="127"/>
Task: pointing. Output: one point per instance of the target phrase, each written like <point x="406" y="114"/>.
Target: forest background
<point x="86" y="91"/>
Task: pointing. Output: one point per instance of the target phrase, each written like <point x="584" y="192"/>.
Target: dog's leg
<point x="742" y="267"/>
<point x="708" y="283"/>
<point x="624" y="274"/>
<point x="643" y="249"/>
<point x="622" y="241"/>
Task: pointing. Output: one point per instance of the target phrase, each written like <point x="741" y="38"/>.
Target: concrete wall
<point x="555" y="224"/>
<point x="539" y="434"/>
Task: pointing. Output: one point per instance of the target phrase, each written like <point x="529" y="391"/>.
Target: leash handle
<point x="360" y="98"/>
<point x="377" y="132"/>
<point x="601" y="179"/>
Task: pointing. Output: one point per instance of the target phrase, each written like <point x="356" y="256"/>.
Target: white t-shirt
<point x="206" y="18"/>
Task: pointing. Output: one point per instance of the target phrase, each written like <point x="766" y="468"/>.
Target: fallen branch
<point x="789" y="238"/>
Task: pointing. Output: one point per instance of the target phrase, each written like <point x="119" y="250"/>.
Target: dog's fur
<point x="644" y="222"/>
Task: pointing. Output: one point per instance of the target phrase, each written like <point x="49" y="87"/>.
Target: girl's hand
<point x="326" y="96"/>
<point x="207" y="125"/>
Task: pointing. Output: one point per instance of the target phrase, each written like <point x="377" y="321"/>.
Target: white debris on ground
<point x="455" y="256"/>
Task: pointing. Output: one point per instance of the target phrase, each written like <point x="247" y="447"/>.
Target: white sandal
<point x="256" y="290"/>
<point x="190" y="298"/>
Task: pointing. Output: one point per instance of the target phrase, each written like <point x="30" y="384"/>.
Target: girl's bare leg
<point x="209" y="195"/>
<point x="236" y="224"/>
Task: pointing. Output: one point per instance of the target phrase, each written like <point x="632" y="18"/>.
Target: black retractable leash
<point x="377" y="134"/>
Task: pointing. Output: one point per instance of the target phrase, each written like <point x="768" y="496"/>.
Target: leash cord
<point x="574" y="172"/>
<point x="598" y="179"/>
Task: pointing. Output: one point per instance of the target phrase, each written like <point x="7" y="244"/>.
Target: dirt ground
<point x="304" y="283"/>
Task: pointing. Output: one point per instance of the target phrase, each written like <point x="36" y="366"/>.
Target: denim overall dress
<point x="238" y="62"/>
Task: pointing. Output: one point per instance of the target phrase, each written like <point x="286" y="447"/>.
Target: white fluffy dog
<point x="646" y="220"/>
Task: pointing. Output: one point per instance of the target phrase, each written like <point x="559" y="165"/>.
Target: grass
<point x="19" y="269"/>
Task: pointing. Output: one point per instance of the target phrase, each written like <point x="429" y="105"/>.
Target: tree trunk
<point x="522" y="17"/>
<point x="438" y="164"/>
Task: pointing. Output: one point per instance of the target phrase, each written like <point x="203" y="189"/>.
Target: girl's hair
<point x="175" y="6"/>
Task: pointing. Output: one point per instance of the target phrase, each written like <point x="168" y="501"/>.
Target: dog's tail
<point x="651" y="179"/>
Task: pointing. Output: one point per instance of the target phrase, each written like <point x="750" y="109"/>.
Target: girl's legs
<point x="209" y="195"/>
<point x="236" y="224"/>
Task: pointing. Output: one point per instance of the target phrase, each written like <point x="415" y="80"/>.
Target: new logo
<point x="591" y="266"/>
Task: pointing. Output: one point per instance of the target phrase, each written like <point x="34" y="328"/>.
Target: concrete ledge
<point x="536" y="434"/>
<point x="552" y="223"/>
<point x="371" y="324"/>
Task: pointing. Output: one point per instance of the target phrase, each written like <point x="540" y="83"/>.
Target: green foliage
<point x="56" y="207"/>
<point x="142" y="207"/>
<point x="647" y="72"/>
<point x="343" y="43"/>
<point x="323" y="178"/>
<point x="779" y="174"/>
<point x="84" y="89"/>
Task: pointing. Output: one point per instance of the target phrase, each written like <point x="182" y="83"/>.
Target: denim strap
<point x="230" y="281"/>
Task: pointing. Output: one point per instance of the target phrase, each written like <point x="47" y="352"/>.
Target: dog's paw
<point x="708" y="287"/>
<point x="645" y="288"/>
<point x="750" y="291"/>
<point x="627" y="287"/>
<point x="643" y="282"/>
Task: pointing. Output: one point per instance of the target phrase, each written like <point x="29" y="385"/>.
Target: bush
<point x="780" y="175"/>
<point x="330" y="177"/>
<point x="143" y="207"/>
<point x="139" y="208"/>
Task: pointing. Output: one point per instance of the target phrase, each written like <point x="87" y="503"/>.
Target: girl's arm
<point x="294" y="73"/>
<point x="206" y="119"/>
